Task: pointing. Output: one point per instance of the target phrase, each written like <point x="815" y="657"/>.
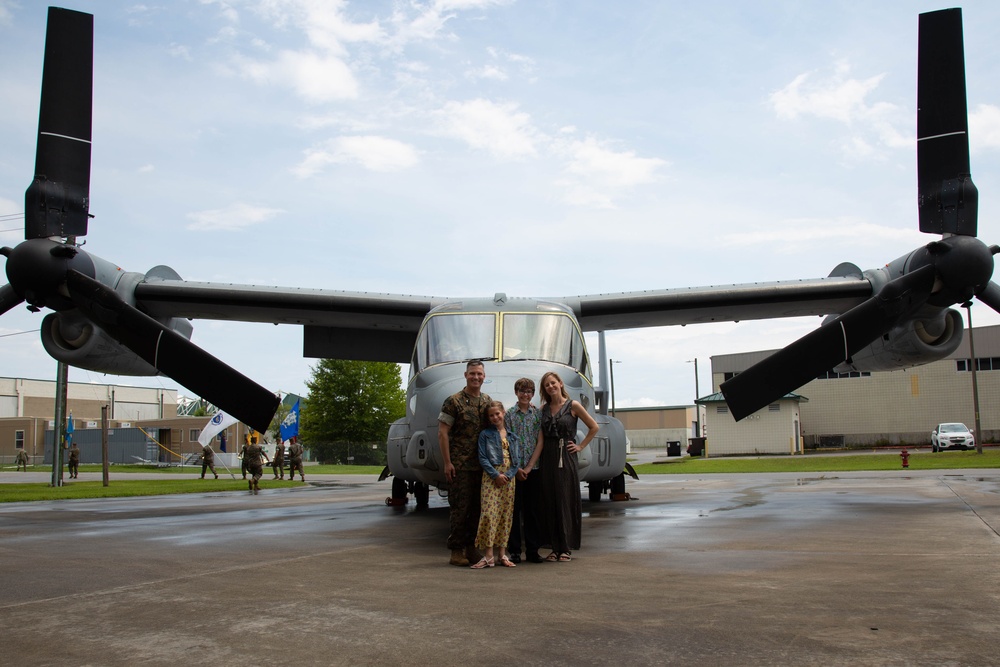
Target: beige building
<point x="654" y="427"/>
<point x="883" y="408"/>
<point x="145" y="415"/>
<point x="773" y="430"/>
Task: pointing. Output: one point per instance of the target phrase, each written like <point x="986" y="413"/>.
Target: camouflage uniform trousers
<point x="278" y="466"/>
<point x="256" y="471"/>
<point x="463" y="499"/>
<point x="293" y="465"/>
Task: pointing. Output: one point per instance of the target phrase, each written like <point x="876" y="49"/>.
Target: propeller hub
<point x="964" y="266"/>
<point x="36" y="269"/>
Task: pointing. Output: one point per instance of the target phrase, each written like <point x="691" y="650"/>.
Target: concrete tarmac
<point x="887" y="568"/>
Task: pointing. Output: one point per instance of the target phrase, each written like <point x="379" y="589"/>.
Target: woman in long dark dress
<point x="562" y="508"/>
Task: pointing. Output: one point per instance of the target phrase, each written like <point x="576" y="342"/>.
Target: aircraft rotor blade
<point x="172" y="354"/>
<point x="8" y="299"/>
<point x="831" y="344"/>
<point x="990" y="295"/>
<point x="57" y="203"/>
<point x="947" y="198"/>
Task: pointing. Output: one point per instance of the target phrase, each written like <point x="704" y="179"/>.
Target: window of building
<point x="982" y="364"/>
<point x="18" y="439"/>
<point x="729" y="375"/>
<point x="722" y="409"/>
<point x="774" y="407"/>
<point x="193" y="435"/>
<point x="830" y="375"/>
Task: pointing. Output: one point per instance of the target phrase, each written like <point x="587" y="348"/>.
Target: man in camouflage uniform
<point x="22" y="460"/>
<point x="74" y="461"/>
<point x="295" y="459"/>
<point x="462" y="417"/>
<point x="208" y="461"/>
<point x="278" y="463"/>
<point x="254" y="459"/>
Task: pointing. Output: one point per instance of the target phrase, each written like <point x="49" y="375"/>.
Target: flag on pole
<point x="69" y="431"/>
<point x="219" y="422"/>
<point x="290" y="424"/>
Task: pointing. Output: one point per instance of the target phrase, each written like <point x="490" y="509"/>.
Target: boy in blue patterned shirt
<point x="525" y="421"/>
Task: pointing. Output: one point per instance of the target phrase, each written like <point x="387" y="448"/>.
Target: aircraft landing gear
<point x="400" y="489"/>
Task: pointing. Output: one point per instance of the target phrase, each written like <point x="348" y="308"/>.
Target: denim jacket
<point x="491" y="452"/>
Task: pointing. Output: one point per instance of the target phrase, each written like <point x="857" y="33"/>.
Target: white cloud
<point x="234" y="218"/>
<point x="796" y="235"/>
<point x="596" y="174"/>
<point x="313" y="76"/>
<point x="371" y="152"/>
<point x="499" y="129"/>
<point x="840" y="98"/>
<point x="984" y="127"/>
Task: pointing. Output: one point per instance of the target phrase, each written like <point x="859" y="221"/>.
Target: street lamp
<point x="613" y="362"/>
<point x="975" y="384"/>
<point x="697" y="395"/>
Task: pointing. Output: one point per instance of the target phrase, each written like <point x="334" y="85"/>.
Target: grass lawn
<point x="121" y="486"/>
<point x="920" y="460"/>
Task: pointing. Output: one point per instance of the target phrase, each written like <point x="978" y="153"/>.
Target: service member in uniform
<point x="278" y="463"/>
<point x="462" y="417"/>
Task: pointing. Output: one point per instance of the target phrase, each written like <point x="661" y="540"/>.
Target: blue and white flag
<point x="69" y="431"/>
<point x="290" y="424"/>
<point x="219" y="422"/>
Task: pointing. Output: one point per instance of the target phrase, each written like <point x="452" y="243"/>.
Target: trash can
<point x="696" y="446"/>
<point x="673" y="447"/>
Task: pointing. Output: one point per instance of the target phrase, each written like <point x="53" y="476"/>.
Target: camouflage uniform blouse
<point x="466" y="415"/>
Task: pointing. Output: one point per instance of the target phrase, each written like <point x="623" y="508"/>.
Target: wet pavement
<point x="888" y="568"/>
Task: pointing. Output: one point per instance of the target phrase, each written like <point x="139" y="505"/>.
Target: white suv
<point x="952" y="435"/>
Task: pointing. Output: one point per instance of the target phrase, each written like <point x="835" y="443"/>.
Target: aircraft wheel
<point x="399" y="491"/>
<point x="422" y="493"/>
<point x="594" y="491"/>
<point x="618" y="485"/>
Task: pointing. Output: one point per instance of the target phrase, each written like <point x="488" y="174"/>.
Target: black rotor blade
<point x="823" y="349"/>
<point x="990" y="295"/>
<point x="57" y="202"/>
<point x="948" y="201"/>
<point x="172" y="354"/>
<point x="8" y="299"/>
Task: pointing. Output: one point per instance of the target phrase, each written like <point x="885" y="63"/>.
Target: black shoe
<point x="515" y="558"/>
<point x="534" y="558"/>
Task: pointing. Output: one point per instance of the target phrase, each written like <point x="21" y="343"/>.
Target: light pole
<point x="697" y="395"/>
<point x="612" y="368"/>
<point x="975" y="383"/>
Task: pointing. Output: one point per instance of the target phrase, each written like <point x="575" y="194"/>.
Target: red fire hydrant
<point x="905" y="455"/>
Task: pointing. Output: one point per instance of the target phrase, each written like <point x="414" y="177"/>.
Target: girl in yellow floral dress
<point x="498" y="449"/>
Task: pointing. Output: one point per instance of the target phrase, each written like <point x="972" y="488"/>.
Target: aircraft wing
<point x="366" y="325"/>
<point x="720" y="303"/>
<point x="357" y="325"/>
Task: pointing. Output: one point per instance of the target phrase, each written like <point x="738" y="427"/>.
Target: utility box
<point x="673" y="447"/>
<point x="696" y="446"/>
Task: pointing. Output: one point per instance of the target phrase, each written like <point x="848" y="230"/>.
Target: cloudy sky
<point x="467" y="147"/>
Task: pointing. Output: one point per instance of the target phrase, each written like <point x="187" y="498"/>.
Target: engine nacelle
<point x="72" y="339"/>
<point x="917" y="341"/>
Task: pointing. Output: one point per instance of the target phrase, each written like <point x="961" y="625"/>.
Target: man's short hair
<point x="524" y="383"/>
<point x="474" y="362"/>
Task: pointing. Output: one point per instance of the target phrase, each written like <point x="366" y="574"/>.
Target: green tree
<point x="350" y="407"/>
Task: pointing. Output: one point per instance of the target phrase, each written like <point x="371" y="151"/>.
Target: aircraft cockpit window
<point x="450" y="338"/>
<point x="544" y="336"/>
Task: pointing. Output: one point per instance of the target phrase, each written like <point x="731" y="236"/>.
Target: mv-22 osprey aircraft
<point x="114" y="321"/>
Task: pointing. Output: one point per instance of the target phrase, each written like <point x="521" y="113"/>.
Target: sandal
<point x="552" y="557"/>
<point x="565" y="557"/>
<point x="506" y="562"/>
<point x="484" y="562"/>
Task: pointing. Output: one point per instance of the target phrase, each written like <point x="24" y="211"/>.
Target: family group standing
<point x="512" y="475"/>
